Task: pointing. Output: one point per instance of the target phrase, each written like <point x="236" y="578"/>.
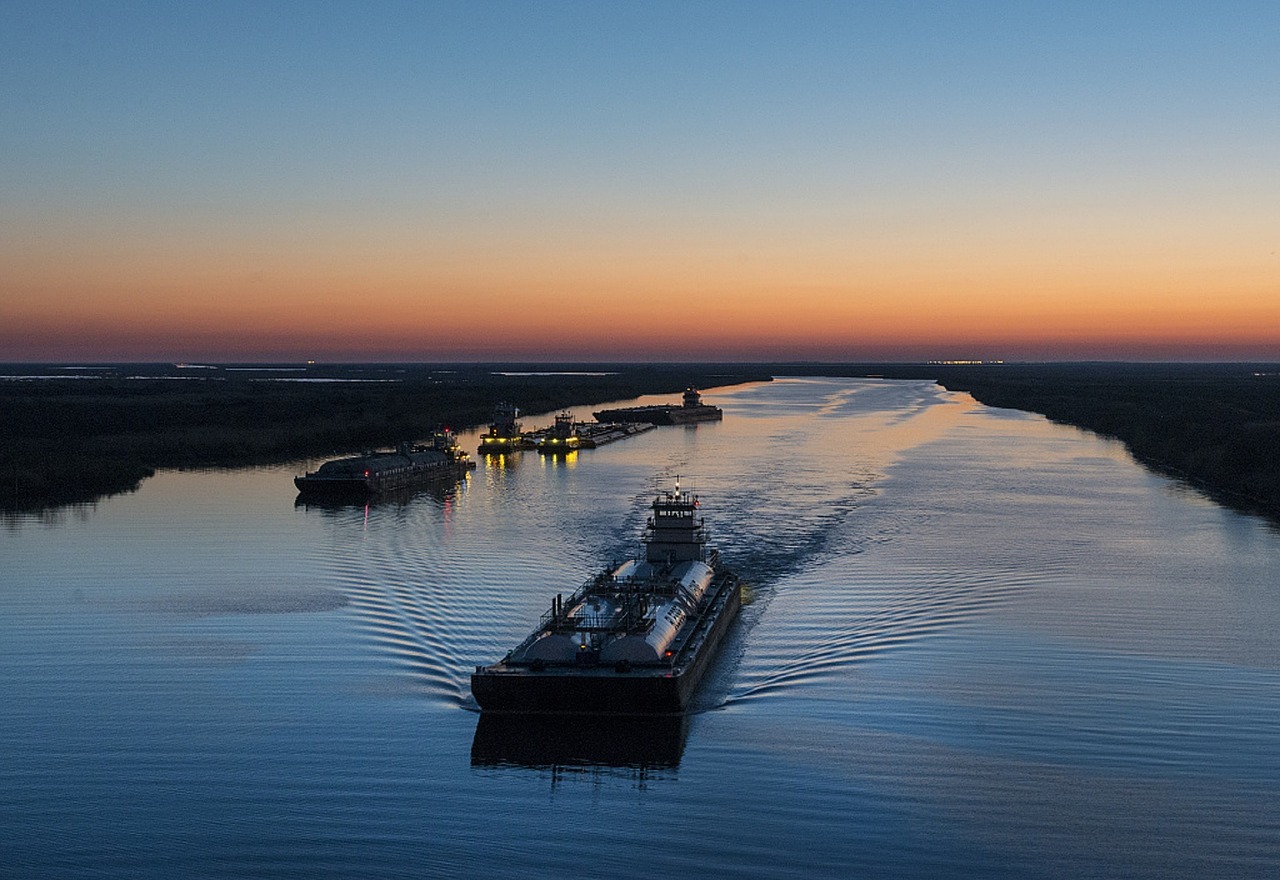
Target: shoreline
<point x="1217" y="433"/>
<point x="1213" y="426"/>
<point x="67" y="440"/>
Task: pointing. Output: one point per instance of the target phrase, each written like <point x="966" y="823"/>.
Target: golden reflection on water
<point x="849" y="429"/>
<point x="558" y="460"/>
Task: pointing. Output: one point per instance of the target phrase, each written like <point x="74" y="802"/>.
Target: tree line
<point x="65" y="442"/>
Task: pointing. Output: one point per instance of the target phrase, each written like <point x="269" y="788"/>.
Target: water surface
<point x="978" y="645"/>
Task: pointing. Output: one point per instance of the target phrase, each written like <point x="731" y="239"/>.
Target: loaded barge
<point x="634" y="640"/>
<point x="690" y="409"/>
<point x="375" y="473"/>
<point x="566" y="435"/>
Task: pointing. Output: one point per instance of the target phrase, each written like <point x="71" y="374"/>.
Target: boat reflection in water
<point x="653" y="742"/>
<point x="442" y="493"/>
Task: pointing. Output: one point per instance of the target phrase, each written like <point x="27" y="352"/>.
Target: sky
<point x="634" y="181"/>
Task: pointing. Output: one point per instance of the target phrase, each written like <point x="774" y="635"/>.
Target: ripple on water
<point x="978" y="645"/>
<point x="820" y="626"/>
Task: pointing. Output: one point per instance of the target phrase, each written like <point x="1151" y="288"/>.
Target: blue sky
<point x="1021" y="137"/>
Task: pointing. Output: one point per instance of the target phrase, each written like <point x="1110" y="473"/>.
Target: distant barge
<point x="690" y="410"/>
<point x="504" y="434"/>
<point x="636" y="639"/>
<point x="376" y="473"/>
<point x="566" y="435"/>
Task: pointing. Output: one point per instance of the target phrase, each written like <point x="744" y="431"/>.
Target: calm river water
<point x="978" y="645"/>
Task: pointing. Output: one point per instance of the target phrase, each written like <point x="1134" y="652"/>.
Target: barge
<point x="504" y="434"/>
<point x="590" y="436"/>
<point x="561" y="438"/>
<point x="691" y="409"/>
<point x="636" y="639"/>
<point x="377" y="473"/>
<point x="567" y="436"/>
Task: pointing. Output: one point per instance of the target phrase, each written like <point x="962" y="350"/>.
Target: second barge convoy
<point x="691" y="409"/>
<point x="567" y="436"/>
<point x="376" y="473"/>
<point x="562" y="437"/>
<point x="634" y="640"/>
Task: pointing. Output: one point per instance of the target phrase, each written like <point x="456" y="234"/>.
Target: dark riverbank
<point x="68" y="440"/>
<point x="1214" y="426"/>
<point x="74" y="435"/>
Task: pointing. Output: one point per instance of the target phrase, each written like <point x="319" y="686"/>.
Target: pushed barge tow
<point x="634" y="640"/>
<point x="567" y="436"/>
<point x="691" y="409"/>
<point x="504" y="433"/>
<point x="364" y="476"/>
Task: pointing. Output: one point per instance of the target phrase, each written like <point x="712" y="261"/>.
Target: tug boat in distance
<point x="377" y="473"/>
<point x="567" y="436"/>
<point x="504" y="433"/>
<point x="691" y="409"/>
<point x="561" y="438"/>
<point x="635" y="639"/>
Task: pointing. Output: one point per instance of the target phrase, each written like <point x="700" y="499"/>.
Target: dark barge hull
<point x="340" y="488"/>
<point x="604" y="434"/>
<point x="661" y="415"/>
<point x="602" y="690"/>
<point x="311" y="487"/>
<point x="506" y="446"/>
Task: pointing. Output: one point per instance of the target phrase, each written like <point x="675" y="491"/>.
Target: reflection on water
<point x="441" y="492"/>
<point x="559" y="460"/>
<point x="979" y="645"/>
<point x="542" y="741"/>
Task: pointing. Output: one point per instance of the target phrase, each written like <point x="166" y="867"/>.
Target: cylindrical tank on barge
<point x="592" y="614"/>
<point x="628" y="569"/>
<point x="692" y="580"/>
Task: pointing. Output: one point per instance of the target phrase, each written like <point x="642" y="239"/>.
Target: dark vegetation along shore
<point x="73" y="435"/>
<point x="72" y="440"/>
<point x="1213" y="426"/>
<point x="1216" y="427"/>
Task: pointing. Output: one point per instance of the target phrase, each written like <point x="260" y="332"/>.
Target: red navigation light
<point x="366" y="473"/>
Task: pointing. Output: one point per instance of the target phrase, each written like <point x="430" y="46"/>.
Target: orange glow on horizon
<point x="342" y="306"/>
